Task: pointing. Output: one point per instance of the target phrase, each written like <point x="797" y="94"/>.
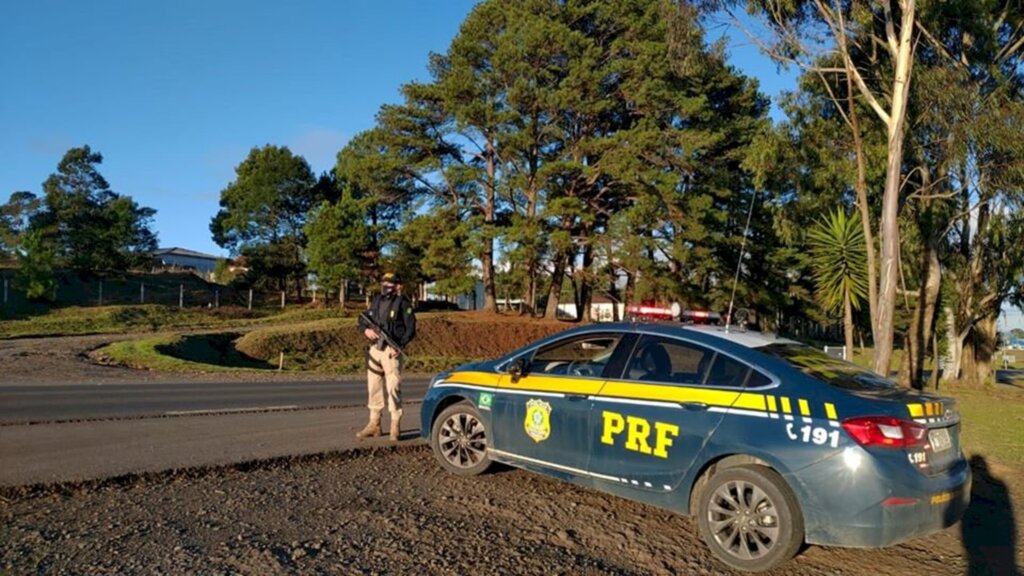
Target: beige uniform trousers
<point x="391" y="382"/>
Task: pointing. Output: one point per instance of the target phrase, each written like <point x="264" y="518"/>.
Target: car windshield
<point x="816" y="363"/>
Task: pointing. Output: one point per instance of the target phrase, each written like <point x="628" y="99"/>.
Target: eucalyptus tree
<point x="872" y="45"/>
<point x="968" y="177"/>
<point x="809" y="166"/>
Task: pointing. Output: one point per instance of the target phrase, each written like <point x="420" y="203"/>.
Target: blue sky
<point x="174" y="94"/>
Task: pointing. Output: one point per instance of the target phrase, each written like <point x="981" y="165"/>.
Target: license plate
<point x="939" y="439"/>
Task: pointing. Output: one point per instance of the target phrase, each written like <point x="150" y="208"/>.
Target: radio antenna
<point x="739" y="262"/>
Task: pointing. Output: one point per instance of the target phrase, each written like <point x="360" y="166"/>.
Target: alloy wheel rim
<point x="462" y="440"/>
<point x="744" y="520"/>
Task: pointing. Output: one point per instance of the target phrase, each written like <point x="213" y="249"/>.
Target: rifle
<point x="383" y="338"/>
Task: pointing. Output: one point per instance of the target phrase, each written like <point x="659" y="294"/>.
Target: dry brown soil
<point x="393" y="511"/>
<point x="463" y="335"/>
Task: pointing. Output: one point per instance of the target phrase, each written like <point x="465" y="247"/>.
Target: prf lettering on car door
<point x="637" y="432"/>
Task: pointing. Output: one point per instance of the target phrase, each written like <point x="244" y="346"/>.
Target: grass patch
<point x="76" y="320"/>
<point x="992" y="421"/>
<point x="119" y="319"/>
<point x="197" y="353"/>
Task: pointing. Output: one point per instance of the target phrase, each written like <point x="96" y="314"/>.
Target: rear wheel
<point x="749" y="518"/>
<point x="459" y="440"/>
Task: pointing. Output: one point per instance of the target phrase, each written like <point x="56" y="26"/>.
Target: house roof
<point x="184" y="252"/>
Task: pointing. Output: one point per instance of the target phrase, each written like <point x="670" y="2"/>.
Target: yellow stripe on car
<point x="785" y="406"/>
<point x="477" y="378"/>
<point x="672" y="393"/>
<point x="563" y="384"/>
<point x="598" y="388"/>
<point x="830" y="411"/>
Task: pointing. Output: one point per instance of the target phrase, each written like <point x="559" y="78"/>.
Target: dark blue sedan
<point x="768" y="442"/>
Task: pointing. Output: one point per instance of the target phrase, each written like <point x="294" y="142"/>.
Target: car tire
<point x="749" y="518"/>
<point x="459" y="439"/>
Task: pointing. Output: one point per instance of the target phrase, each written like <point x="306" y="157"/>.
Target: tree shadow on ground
<point x="988" y="528"/>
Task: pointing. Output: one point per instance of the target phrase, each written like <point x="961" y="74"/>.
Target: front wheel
<point x="459" y="440"/>
<point x="749" y="518"/>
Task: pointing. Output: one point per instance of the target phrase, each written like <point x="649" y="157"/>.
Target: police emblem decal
<point x="538" y="420"/>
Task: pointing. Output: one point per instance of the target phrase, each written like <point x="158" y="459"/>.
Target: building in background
<point x="469" y="301"/>
<point x="183" y="259"/>
<point x="602" y="309"/>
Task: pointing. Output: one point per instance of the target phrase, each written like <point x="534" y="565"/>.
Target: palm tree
<point x="839" y="260"/>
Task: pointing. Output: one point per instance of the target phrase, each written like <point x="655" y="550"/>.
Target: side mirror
<point x="518" y="368"/>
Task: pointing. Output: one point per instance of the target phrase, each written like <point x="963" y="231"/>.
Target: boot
<point x="372" y="428"/>
<point x="396" y="428"/>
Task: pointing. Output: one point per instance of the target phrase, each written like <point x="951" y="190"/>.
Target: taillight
<point x="886" y="431"/>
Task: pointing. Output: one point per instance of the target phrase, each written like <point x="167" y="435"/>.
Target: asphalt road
<point x="76" y="451"/>
<point x="19" y="404"/>
<point x="55" y="403"/>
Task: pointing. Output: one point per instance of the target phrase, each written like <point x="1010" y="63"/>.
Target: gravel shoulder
<point x="393" y="511"/>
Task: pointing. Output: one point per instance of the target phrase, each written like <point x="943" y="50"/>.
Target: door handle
<point x="575" y="397"/>
<point x="695" y="406"/>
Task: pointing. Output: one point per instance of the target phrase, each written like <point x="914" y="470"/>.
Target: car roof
<point x="736" y="335"/>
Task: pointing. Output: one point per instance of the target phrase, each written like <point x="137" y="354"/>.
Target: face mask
<point x="387" y="288"/>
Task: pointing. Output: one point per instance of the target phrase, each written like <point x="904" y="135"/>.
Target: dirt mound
<point x="443" y="336"/>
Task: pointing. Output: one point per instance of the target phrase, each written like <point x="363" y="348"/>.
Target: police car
<point x="767" y="442"/>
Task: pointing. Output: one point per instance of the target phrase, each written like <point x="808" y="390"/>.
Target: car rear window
<point x="840" y="373"/>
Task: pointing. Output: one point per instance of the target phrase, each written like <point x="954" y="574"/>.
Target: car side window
<point x="757" y="380"/>
<point x="727" y="372"/>
<point x="586" y="356"/>
<point x="658" y="359"/>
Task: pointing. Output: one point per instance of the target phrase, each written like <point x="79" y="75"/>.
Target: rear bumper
<point x="885" y="525"/>
<point x="859" y="518"/>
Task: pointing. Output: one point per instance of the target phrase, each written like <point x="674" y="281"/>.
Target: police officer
<point x="392" y="312"/>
